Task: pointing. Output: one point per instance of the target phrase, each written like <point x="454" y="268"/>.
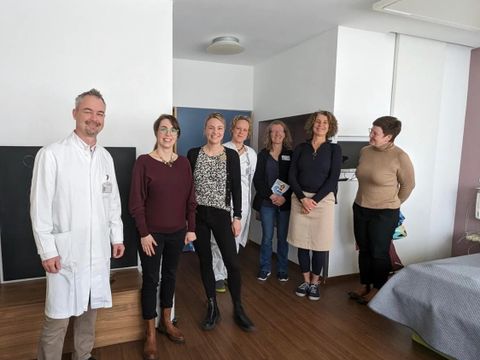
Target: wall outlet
<point x="477" y="205"/>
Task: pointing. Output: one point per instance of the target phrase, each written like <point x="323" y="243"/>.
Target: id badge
<point x="286" y="157"/>
<point x="107" y="187"/>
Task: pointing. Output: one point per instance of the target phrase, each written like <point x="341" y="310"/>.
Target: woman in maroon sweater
<point x="162" y="201"/>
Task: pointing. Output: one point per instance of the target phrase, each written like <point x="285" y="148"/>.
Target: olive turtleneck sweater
<point x="385" y="177"/>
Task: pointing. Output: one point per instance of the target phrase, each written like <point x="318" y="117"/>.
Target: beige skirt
<point x="313" y="231"/>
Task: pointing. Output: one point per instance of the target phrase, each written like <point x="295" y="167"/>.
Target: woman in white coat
<point x="241" y="130"/>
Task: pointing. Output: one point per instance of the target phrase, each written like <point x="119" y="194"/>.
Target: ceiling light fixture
<point x="225" y="45"/>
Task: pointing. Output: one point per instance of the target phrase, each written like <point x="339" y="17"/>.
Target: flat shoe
<point x="361" y="300"/>
<point x="364" y="300"/>
<point x="353" y="295"/>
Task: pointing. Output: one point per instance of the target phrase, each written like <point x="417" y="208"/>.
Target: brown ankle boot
<point x="172" y="332"/>
<point x="150" y="351"/>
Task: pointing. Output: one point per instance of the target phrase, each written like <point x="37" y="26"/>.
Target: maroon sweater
<point x="162" y="198"/>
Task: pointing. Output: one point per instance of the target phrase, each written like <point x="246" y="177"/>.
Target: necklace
<point x="314" y="154"/>
<point x="169" y="163"/>
<point x="241" y="148"/>
<point x="213" y="152"/>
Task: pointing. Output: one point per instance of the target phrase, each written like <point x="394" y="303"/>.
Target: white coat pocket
<point x="63" y="243"/>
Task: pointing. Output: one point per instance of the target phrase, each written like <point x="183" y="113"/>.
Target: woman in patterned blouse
<point x="216" y="173"/>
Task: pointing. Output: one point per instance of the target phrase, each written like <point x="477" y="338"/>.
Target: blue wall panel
<point x="191" y="122"/>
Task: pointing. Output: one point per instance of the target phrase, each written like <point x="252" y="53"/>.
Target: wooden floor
<point x="288" y="327"/>
<point x="22" y="307"/>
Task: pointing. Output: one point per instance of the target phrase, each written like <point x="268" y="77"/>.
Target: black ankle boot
<point x="241" y="318"/>
<point x="213" y="315"/>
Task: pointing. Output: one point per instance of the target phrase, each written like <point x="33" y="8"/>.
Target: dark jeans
<point x="269" y="217"/>
<point x="168" y="250"/>
<point x="373" y="230"/>
<point x="208" y="220"/>
<point x="318" y="261"/>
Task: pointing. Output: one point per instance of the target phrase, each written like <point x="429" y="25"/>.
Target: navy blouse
<point x="315" y="172"/>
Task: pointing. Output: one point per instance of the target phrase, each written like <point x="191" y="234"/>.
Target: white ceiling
<point x="464" y="14"/>
<point x="268" y="27"/>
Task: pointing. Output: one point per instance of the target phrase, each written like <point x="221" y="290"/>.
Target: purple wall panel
<point x="469" y="166"/>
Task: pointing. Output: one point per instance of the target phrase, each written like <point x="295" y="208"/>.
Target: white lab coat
<point x="75" y="212"/>
<point x="248" y="162"/>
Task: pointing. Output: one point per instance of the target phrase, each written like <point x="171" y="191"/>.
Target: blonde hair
<point x="214" y="115"/>
<point x="237" y="118"/>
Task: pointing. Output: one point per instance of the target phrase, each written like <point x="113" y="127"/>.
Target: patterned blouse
<point x="210" y="176"/>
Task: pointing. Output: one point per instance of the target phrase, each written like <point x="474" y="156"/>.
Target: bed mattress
<point x="439" y="300"/>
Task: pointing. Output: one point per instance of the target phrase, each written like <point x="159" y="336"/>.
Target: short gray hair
<point x="91" y="92"/>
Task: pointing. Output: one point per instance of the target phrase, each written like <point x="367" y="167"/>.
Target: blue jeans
<point x="268" y="217"/>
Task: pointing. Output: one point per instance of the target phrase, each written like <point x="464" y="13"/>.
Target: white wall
<point x="430" y="98"/>
<point x="201" y="84"/>
<point x="363" y="82"/>
<point x="53" y="49"/>
<point x="297" y="81"/>
<point x="451" y="130"/>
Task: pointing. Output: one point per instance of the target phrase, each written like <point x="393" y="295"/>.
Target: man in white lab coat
<point x="75" y="211"/>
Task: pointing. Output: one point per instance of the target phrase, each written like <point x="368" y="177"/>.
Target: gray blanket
<point x="440" y="301"/>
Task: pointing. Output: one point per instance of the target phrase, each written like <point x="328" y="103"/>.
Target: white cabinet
<point x="363" y="81"/>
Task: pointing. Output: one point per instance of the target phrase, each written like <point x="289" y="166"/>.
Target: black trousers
<point x="373" y="229"/>
<point x="212" y="220"/>
<point x="318" y="261"/>
<point x="168" y="250"/>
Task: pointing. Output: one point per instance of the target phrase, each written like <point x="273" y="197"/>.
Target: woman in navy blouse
<point x="313" y="178"/>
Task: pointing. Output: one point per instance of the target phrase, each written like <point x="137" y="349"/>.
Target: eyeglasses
<point x="164" y="131"/>
<point x="378" y="134"/>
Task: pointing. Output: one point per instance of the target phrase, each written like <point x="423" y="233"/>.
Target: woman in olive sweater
<point x="385" y="180"/>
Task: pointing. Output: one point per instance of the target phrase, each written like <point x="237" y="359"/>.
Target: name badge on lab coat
<point x="286" y="157"/>
<point x="107" y="187"/>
